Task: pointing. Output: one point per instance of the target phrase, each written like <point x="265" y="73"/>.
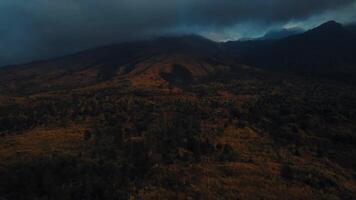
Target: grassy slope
<point x="266" y="168"/>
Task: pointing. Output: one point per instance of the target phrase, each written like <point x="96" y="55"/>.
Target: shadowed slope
<point x="137" y="60"/>
<point x="327" y="51"/>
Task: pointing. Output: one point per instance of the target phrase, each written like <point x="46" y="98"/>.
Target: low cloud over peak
<point x="40" y="29"/>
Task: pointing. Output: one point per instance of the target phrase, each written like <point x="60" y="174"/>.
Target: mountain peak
<point x="329" y="26"/>
<point x="331" y="23"/>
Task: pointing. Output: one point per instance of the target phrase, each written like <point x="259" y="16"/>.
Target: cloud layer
<point x="40" y="29"/>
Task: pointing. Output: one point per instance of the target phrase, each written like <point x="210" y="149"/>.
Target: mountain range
<point x="325" y="51"/>
<point x="185" y="118"/>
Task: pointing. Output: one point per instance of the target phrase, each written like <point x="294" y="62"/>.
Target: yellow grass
<point x="42" y="141"/>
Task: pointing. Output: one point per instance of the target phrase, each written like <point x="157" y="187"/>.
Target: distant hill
<point x="282" y="33"/>
<point x="327" y="50"/>
<point x="275" y="34"/>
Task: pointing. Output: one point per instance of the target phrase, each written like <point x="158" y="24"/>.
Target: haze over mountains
<point x="277" y="34"/>
<point x="325" y="51"/>
<point x="31" y="31"/>
<point x="282" y="33"/>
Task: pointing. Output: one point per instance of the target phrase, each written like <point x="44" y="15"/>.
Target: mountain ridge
<point x="326" y="51"/>
<point x="143" y="60"/>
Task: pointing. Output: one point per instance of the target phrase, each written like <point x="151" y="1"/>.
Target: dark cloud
<point x="44" y="28"/>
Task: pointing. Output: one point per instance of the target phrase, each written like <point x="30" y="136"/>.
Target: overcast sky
<point x="40" y="29"/>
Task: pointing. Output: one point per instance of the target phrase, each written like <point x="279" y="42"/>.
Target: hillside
<point x="144" y="61"/>
<point x="183" y="118"/>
